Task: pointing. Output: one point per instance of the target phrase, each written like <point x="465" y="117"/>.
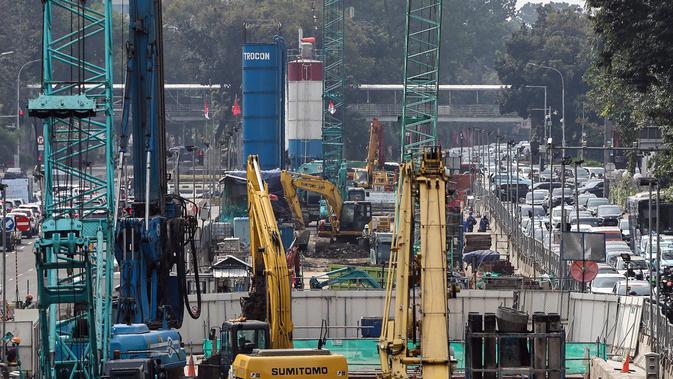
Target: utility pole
<point x="550" y="147"/>
<point x="564" y="162"/>
<point x="3" y="188"/>
<point x="18" y="111"/>
<point x="563" y="103"/>
<point x="577" y="216"/>
<point x="544" y="123"/>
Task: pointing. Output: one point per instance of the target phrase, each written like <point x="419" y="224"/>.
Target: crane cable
<point x="190" y="228"/>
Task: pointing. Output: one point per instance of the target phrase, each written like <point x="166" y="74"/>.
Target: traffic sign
<point x="9" y="224"/>
<point x="40" y="140"/>
<point x="584" y="271"/>
<point x="22" y="223"/>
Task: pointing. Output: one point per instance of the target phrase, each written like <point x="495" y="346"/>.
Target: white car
<point x="605" y="283"/>
<point x="638" y="265"/>
<point x="33" y="220"/>
<point x="636" y="288"/>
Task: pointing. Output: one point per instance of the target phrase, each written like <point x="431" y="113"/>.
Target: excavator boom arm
<point x="291" y="182"/>
<point x="373" y="148"/>
<point x="271" y="276"/>
<point x="291" y="197"/>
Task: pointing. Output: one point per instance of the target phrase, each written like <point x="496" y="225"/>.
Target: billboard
<point x="583" y="246"/>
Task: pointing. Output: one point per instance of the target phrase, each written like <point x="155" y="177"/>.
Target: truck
<point x="18" y="188"/>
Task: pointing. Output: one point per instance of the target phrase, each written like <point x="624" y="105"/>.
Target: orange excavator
<point x="373" y="175"/>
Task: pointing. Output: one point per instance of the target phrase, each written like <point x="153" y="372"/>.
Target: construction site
<point x="192" y="229"/>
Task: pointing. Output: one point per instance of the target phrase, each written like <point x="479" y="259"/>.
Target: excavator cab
<point x="355" y="215"/>
<point x="241" y="337"/>
<point x="356" y="194"/>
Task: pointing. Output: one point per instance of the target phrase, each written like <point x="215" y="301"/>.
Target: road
<point x="21" y="270"/>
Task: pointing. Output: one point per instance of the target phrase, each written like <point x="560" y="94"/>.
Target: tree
<point x="558" y="39"/>
<point x="527" y="14"/>
<point x="634" y="63"/>
<point x="473" y="30"/>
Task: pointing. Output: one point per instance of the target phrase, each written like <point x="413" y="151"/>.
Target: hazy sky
<point x="520" y="3"/>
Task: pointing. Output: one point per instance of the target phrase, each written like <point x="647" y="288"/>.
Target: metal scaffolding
<point x="333" y="83"/>
<point x="74" y="251"/>
<point x="421" y="76"/>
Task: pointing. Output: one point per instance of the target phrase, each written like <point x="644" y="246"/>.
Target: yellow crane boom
<point x="426" y="270"/>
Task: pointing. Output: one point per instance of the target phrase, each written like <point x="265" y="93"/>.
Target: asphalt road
<point x="21" y="269"/>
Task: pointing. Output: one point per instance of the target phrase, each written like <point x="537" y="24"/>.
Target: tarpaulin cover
<point x="235" y="196"/>
<point x="481" y="256"/>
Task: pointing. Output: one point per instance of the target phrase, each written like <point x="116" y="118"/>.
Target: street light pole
<point x="18" y="111"/>
<point x="563" y="103"/>
<point x="544" y="125"/>
<point x="3" y="188"/>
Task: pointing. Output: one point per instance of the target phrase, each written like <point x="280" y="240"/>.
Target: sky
<point x="520" y="3"/>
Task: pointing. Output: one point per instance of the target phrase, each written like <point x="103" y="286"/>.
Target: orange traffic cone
<point x="625" y="367"/>
<point x="191" y="370"/>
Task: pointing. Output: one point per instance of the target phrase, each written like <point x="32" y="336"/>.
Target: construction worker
<point x="484" y="223"/>
<point x="470" y="222"/>
<point x="28" y="304"/>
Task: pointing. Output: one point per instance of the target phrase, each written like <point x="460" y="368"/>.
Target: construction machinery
<point x="259" y="344"/>
<point x="345" y="219"/>
<point x="418" y="260"/>
<point x="153" y="232"/>
<point x="74" y="248"/>
<point x="85" y="229"/>
<point x="345" y="277"/>
<point x="373" y="176"/>
<point x="418" y="269"/>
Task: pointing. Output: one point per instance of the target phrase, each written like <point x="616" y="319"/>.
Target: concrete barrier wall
<point x="591" y="316"/>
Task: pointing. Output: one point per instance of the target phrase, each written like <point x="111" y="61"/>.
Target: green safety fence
<point x="362" y="354"/>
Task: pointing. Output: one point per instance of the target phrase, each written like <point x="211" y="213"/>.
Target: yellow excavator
<point x="346" y="219"/>
<point x="424" y="270"/>
<point x="259" y="344"/>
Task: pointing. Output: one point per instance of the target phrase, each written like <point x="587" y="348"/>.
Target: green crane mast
<point x="74" y="249"/>
<point x="421" y="76"/>
<point x="333" y="84"/>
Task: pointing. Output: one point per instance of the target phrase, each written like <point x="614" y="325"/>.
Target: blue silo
<point x="264" y="66"/>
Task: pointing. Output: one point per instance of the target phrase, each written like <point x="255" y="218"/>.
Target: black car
<point x="594" y="187"/>
<point x="511" y="192"/>
<point x="609" y="214"/>
<point x="568" y="197"/>
<point x="547" y="184"/>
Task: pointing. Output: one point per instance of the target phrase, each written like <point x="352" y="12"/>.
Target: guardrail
<point x="528" y="248"/>
<point x="532" y="252"/>
<point x="659" y="330"/>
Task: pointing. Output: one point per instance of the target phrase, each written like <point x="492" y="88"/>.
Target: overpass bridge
<point x="464" y="113"/>
<point x="449" y="111"/>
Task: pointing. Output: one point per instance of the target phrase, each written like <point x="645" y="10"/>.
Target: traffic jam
<point x="614" y="210"/>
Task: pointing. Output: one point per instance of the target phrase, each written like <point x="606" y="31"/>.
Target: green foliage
<point x="621" y="188"/>
<point x="633" y="73"/>
<point x="559" y="39"/>
<point x="473" y="30"/>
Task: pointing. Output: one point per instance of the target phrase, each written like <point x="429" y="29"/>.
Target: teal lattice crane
<point x="74" y="249"/>
<point x="333" y="87"/>
<point x="421" y="76"/>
